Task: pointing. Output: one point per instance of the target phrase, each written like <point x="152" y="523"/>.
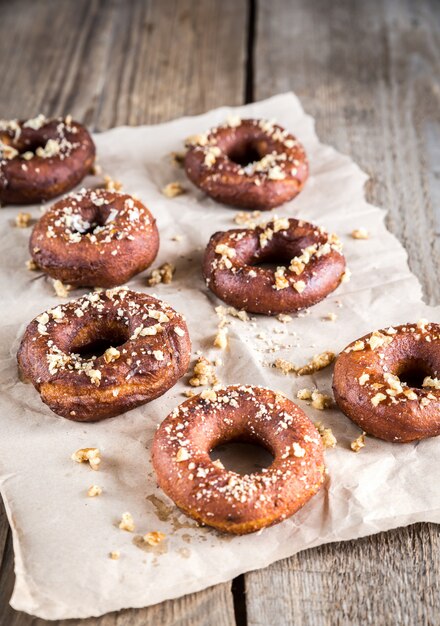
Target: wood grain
<point x="112" y="63"/>
<point x="369" y="74"/>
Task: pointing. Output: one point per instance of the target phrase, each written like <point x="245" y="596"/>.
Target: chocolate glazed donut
<point x="253" y="164"/>
<point x="61" y="353"/>
<point x="41" y="158"/>
<point x="310" y="266"/>
<point x="388" y="382"/>
<point x="95" y="238"/>
<point x="237" y="504"/>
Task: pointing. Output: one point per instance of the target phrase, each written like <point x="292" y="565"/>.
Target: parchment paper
<point x="62" y="538"/>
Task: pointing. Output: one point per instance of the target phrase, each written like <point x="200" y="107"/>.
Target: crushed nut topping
<point x="111" y="354"/>
<point x="173" y="189"/>
<point x="92" y="456"/>
<point x="127" y="522"/>
<point x="358" y="443"/>
<point x="61" y="290"/>
<point x="154" y="538"/>
<point x="360" y="233"/>
<point x="164" y="274"/>
<point x="431" y="382"/>
<point x="182" y="455"/>
<point x="379" y="397"/>
<point x="204" y="373"/>
<point x="327" y="436"/>
<point x="22" y="220"/>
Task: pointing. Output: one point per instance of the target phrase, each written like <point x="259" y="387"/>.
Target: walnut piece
<point x="360" y="233"/>
<point x="112" y="185"/>
<point x="327" y="436"/>
<point x="221" y="338"/>
<point x="90" y="455"/>
<point x="173" y="189"/>
<point x="127" y="522"/>
<point x="358" y="443"/>
<point x="111" y="354"/>
<point x="114" y="555"/>
<point x="204" y="373"/>
<point x="94" y="491"/>
<point x="154" y="538"/>
<point x="163" y="274"/>
<point x="22" y="220"/>
<point x="61" y="290"/>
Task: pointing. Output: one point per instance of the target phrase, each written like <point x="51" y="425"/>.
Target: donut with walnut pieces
<point x="62" y="353"/>
<point x="42" y="158"/>
<point x="309" y="266"/>
<point x="388" y="382"/>
<point x="253" y="164"/>
<point x="228" y="501"/>
<point x="95" y="238"/>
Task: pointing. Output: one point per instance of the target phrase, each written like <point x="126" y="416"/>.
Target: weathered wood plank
<point x="111" y="63"/>
<point x="369" y="73"/>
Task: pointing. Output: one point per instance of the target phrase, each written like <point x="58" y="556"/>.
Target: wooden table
<point x="369" y="73"/>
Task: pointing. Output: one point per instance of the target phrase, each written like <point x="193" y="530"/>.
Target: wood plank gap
<point x="250" y="52"/>
<point x="238" y="589"/>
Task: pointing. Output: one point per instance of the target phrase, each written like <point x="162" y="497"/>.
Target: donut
<point x="307" y="261"/>
<point x="387" y="382"/>
<point x="42" y="158"/>
<point x="252" y="164"/>
<point x="104" y="353"/>
<point x="223" y="499"/>
<point x="95" y="238"/>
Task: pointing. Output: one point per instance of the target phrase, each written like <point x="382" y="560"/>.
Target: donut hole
<point x="93" y="340"/>
<point x="413" y="372"/>
<point x="244" y="152"/>
<point x="242" y="457"/>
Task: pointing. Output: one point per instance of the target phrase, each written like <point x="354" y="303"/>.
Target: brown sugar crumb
<point x="319" y="362"/>
<point x="221" y="338"/>
<point x="90" y="455"/>
<point x="327" y="436"/>
<point x="204" y="373"/>
<point x="31" y="265"/>
<point x="114" y="555"/>
<point x="94" y="491"/>
<point x="358" y="443"/>
<point x="173" y="189"/>
<point x="61" y="290"/>
<point x="22" y="220"/>
<point x="164" y="274"/>
<point x="360" y="233"/>
<point x="126" y="522"/>
<point x="154" y="538"/>
<point x="112" y="185"/>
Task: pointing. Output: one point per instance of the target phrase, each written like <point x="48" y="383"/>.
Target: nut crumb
<point x="22" y="220"/>
<point x="94" y="490"/>
<point x="304" y="394"/>
<point x="182" y="455"/>
<point x="114" y="555"/>
<point x="164" y="274"/>
<point x="90" y="455"/>
<point x="112" y="185"/>
<point x="358" y="443"/>
<point x="178" y="158"/>
<point x="111" y="354"/>
<point x="319" y="362"/>
<point x="221" y="338"/>
<point x="360" y="233"/>
<point x="327" y="436"/>
<point x="247" y="219"/>
<point x="173" y="189"/>
<point x="31" y="265"/>
<point x="61" y="290"/>
<point x="204" y="373"/>
<point x="431" y="382"/>
<point x="209" y="395"/>
<point x="153" y="538"/>
<point x="284" y="318"/>
<point x="126" y="522"/>
<point x="331" y="317"/>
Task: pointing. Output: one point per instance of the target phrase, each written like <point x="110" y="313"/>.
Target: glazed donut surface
<point x="42" y="158"/>
<point x="387" y="382"/>
<point x="228" y="501"/>
<point x="95" y="238"/>
<point x="309" y="263"/>
<point x="253" y="164"/>
<point x="61" y="353"/>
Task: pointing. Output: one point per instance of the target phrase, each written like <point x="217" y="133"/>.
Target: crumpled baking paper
<point x="62" y="538"/>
